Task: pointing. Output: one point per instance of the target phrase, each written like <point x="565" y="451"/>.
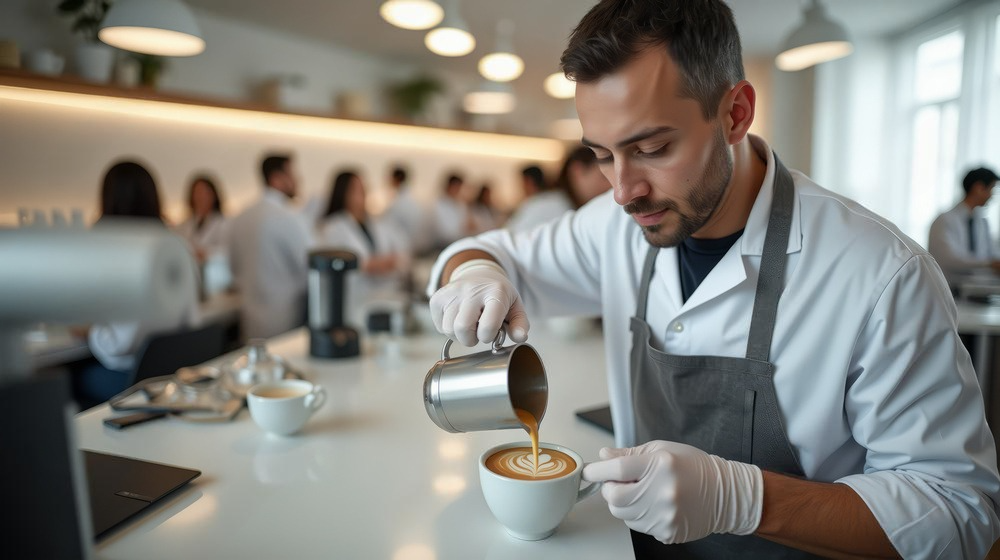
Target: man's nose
<point x="628" y="184"/>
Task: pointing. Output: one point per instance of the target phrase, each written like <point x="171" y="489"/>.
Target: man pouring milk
<point x="785" y="374"/>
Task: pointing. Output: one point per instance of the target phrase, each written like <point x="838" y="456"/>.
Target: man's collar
<point x="756" y="228"/>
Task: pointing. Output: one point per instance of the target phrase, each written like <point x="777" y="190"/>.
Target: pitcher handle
<point x="497" y="343"/>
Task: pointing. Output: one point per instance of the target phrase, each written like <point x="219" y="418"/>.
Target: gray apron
<point x="721" y="405"/>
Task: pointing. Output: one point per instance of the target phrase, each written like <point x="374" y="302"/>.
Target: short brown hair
<point x="700" y="35"/>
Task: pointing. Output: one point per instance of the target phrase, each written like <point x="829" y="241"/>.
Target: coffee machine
<point x="329" y="337"/>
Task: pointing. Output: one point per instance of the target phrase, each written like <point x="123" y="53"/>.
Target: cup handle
<point x="588" y="490"/>
<point x="316" y="398"/>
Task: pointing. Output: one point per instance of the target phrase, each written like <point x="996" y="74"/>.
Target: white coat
<point x="341" y="230"/>
<point x="210" y="238"/>
<point x="948" y="243"/>
<point x="268" y="250"/>
<point x="543" y="207"/>
<point x="875" y="388"/>
<point x="412" y="218"/>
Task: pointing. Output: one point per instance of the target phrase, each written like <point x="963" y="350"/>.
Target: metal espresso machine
<point x="329" y="336"/>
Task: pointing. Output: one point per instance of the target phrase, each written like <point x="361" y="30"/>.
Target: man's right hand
<point x="476" y="302"/>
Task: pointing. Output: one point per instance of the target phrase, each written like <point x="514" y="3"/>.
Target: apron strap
<point x="647" y="275"/>
<point x="770" y="281"/>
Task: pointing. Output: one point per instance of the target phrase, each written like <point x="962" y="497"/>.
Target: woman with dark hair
<point x="580" y="176"/>
<point x="128" y="196"/>
<point x="382" y="250"/>
<point x="204" y="230"/>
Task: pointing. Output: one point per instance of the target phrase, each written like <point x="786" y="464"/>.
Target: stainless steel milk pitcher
<point x="480" y="391"/>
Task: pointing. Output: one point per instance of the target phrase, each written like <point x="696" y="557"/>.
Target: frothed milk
<point x="516" y="462"/>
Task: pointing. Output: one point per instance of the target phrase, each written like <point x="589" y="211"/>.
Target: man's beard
<point x="703" y="200"/>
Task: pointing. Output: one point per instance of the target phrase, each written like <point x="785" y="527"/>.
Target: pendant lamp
<point x="492" y="98"/>
<point x="452" y="37"/>
<point x="156" y="27"/>
<point x="502" y="65"/>
<point x="411" y="14"/>
<point x="559" y="86"/>
<point x="819" y="39"/>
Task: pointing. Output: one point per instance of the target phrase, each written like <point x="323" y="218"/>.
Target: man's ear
<point x="737" y="111"/>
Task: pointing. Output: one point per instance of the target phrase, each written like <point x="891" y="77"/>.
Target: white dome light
<point x="560" y="87"/>
<point x="450" y="41"/>
<point x="156" y="27"/>
<point x="412" y="14"/>
<point x="819" y="39"/>
<point x="501" y="66"/>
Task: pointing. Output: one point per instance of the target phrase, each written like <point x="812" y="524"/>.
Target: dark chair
<point x="165" y="353"/>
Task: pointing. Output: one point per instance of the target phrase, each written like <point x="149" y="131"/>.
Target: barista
<point x="757" y="414"/>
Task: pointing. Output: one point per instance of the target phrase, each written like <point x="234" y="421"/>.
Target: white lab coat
<point x="116" y="345"/>
<point x="948" y="243"/>
<point x="268" y="250"/>
<point x="875" y="388"/>
<point x="210" y="238"/>
<point x="342" y="231"/>
<point x="411" y="217"/>
<point x="543" y="207"/>
<point x="451" y="220"/>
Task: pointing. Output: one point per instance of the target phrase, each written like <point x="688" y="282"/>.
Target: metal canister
<point x="481" y="391"/>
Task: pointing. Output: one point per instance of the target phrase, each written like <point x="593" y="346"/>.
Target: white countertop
<point x="370" y="477"/>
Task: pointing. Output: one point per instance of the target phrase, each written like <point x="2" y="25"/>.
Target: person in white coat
<point x="452" y="217"/>
<point x="960" y="239"/>
<point x="541" y="203"/>
<point x="268" y="246"/>
<point x="382" y="251"/>
<point x="785" y="374"/>
<point x="128" y="196"/>
<point x="204" y="230"/>
<point x="408" y="213"/>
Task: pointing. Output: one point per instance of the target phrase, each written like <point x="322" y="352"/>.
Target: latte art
<point x="518" y="462"/>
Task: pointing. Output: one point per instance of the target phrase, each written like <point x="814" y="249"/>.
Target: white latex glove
<point x="475" y="302"/>
<point x="678" y="493"/>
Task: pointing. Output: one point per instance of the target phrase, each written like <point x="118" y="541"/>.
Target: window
<point x="934" y="121"/>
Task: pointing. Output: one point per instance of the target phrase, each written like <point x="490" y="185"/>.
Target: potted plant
<point x="410" y="98"/>
<point x="150" y="68"/>
<point x="94" y="59"/>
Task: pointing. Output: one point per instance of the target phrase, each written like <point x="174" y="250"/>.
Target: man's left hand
<point x="678" y="493"/>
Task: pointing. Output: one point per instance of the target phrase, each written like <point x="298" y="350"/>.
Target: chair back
<point x="165" y="353"/>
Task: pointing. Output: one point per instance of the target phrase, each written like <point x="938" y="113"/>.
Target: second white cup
<point x="283" y="407"/>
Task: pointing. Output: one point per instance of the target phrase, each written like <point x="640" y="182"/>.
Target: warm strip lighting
<point x="559" y="86"/>
<point x="379" y="134"/>
<point x="161" y="42"/>
<point x="501" y="66"/>
<point x="803" y="57"/>
<point x="412" y="14"/>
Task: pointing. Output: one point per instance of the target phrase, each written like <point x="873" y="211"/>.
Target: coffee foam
<point x="518" y="462"/>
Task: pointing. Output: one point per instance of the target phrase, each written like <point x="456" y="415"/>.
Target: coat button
<point x="678" y="327"/>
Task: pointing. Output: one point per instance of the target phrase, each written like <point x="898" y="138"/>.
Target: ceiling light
<point x="817" y="40"/>
<point x="157" y="27"/>
<point x="412" y="14"/>
<point x="502" y="65"/>
<point x="492" y="98"/>
<point x="452" y="37"/>
<point x="559" y="86"/>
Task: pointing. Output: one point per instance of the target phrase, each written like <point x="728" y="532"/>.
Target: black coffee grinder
<point x="329" y="337"/>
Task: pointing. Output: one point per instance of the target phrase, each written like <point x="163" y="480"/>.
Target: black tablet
<point x="599" y="416"/>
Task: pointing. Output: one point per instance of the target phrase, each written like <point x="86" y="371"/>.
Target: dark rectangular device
<point x="121" y="487"/>
<point x="599" y="416"/>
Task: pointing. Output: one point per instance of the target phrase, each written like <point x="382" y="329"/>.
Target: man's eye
<point x="603" y="159"/>
<point x="653" y="153"/>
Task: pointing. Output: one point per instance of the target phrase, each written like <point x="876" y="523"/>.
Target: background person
<point x="204" y="230"/>
<point x="128" y="196"/>
<point x="383" y="255"/>
<point x="540" y="204"/>
<point x="784" y="371"/>
<point x="581" y="177"/>
<point x="268" y="248"/>
<point x="960" y="239"/>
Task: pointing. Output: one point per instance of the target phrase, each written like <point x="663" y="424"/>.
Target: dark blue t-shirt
<point x="698" y="257"/>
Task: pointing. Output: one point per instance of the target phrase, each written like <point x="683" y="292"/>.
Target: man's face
<point x="668" y="166"/>
<point x="285" y="180"/>
<point x="982" y="192"/>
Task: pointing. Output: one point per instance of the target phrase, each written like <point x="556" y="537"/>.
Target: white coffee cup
<point x="283" y="407"/>
<point x="531" y="510"/>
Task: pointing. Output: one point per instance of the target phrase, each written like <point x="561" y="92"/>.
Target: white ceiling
<point x="542" y="26"/>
